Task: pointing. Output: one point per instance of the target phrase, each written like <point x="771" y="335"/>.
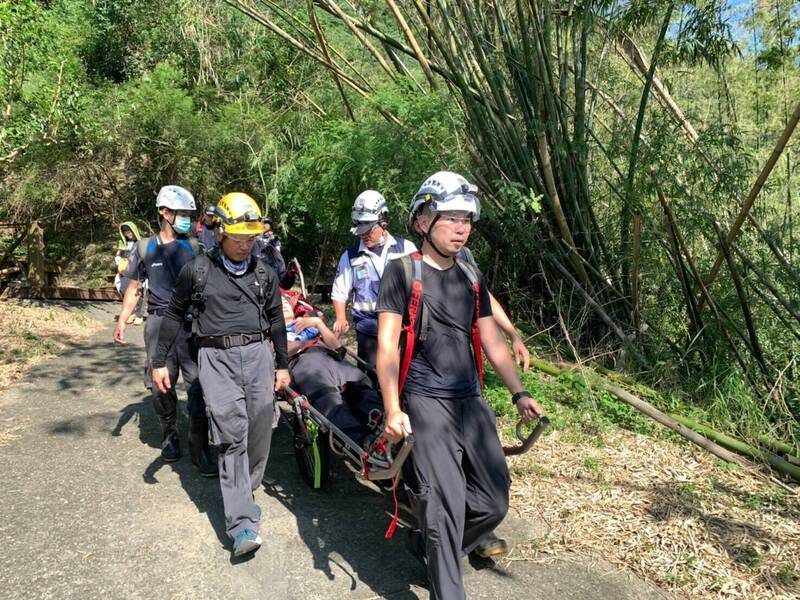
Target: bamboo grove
<point x="629" y="230"/>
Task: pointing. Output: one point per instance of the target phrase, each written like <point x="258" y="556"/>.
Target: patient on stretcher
<point x="340" y="391"/>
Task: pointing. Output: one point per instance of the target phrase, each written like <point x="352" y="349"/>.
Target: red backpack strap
<point x="475" y="284"/>
<point x="412" y="267"/>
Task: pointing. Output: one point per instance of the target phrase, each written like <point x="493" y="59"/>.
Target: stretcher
<point x="316" y="440"/>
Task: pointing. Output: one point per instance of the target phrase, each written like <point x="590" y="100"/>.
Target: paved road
<point x="87" y="509"/>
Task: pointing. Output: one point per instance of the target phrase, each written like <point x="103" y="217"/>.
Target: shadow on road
<point x="203" y="492"/>
<point x="343" y="525"/>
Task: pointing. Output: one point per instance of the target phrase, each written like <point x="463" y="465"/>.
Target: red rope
<point x="393" y="525"/>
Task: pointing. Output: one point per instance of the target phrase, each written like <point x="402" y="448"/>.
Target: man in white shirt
<point x="361" y="266"/>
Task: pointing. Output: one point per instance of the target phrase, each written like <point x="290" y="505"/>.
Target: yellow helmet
<point x="240" y="214"/>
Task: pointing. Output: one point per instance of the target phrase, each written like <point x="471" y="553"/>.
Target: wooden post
<point x="37" y="277"/>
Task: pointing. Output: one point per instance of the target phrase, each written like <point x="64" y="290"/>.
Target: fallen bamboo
<point x="736" y="445"/>
<point x="696" y="438"/>
<point x="778" y="447"/>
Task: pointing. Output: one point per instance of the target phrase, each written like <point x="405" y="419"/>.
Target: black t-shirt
<point x="160" y="267"/>
<point x="443" y="366"/>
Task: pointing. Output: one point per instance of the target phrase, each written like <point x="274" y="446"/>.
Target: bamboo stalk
<point x="672" y="422"/>
<point x="758" y="353"/>
<point x="767" y="283"/>
<point x="312" y="17"/>
<point x="637" y="247"/>
<point x="559" y="214"/>
<point x="423" y="62"/>
<point x="634" y="151"/>
<point x="751" y="197"/>
<point x="791" y="452"/>
<point x="361" y="38"/>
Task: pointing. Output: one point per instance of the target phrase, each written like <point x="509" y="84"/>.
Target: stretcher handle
<point x="397" y="464"/>
<point x="529" y="440"/>
<point x="300" y="274"/>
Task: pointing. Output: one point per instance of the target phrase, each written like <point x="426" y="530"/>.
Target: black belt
<point x="231" y="341"/>
<point x="159" y="312"/>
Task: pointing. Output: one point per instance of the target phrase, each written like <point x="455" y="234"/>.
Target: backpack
<point x="415" y="320"/>
<point x="201" y="265"/>
<point x="143" y="244"/>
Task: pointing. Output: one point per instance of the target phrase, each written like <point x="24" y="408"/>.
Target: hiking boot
<point x="170" y="448"/>
<point x="199" y="450"/>
<point x="246" y="541"/>
<point x="490" y="546"/>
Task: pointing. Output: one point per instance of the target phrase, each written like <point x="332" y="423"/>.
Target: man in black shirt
<point x="238" y="314"/>
<point x="457" y="477"/>
<point x="158" y="260"/>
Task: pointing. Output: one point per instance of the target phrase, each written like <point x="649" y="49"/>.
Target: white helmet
<point x="369" y="209"/>
<point x="175" y="197"/>
<point x="443" y="191"/>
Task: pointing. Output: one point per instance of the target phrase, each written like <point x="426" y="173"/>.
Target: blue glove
<point x="304" y="336"/>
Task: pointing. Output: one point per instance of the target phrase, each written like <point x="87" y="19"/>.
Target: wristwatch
<point x="519" y="395"/>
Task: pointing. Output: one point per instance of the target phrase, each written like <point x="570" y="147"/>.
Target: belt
<point x="231" y="341"/>
<point x="156" y="311"/>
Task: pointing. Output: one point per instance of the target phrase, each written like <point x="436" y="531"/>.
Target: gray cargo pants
<point x="181" y="356"/>
<point x="457" y="480"/>
<point x="239" y="389"/>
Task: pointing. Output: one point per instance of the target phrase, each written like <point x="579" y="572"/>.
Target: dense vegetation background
<point x="104" y="101"/>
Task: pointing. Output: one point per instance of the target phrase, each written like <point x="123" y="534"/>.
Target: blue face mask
<point x="182" y="225"/>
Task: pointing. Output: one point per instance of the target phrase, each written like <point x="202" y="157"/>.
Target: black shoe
<point x="170" y="448"/>
<point x="203" y="458"/>
<point x="491" y="546"/>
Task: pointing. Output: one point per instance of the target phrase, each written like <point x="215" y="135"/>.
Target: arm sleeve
<point x="173" y="316"/>
<point x="277" y="325"/>
<point x="392" y="296"/>
<point x="342" y="283"/>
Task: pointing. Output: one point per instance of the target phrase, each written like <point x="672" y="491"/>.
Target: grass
<point x="30" y="334"/>
<point x="608" y="481"/>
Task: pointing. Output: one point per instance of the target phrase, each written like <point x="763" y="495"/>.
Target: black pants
<point x="182" y="356"/>
<point x="367" y="348"/>
<point x="457" y="480"/>
<point x="321" y="378"/>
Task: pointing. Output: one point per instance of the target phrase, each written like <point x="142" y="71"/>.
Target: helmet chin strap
<point x="429" y="239"/>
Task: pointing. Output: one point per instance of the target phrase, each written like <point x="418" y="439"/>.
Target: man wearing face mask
<point x="361" y="268"/>
<point x="158" y="260"/>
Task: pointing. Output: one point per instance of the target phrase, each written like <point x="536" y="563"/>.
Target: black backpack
<point x="200" y="267"/>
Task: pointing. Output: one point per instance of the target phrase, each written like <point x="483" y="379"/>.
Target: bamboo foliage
<point x="519" y="71"/>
